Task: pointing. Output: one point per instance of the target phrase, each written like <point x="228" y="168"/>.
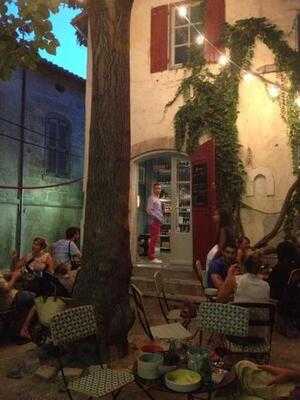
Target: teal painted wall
<point x="47" y="212"/>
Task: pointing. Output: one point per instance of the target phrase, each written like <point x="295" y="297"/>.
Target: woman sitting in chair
<point x="38" y="259"/>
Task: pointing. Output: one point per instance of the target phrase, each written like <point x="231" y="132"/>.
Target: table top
<point x="159" y="384"/>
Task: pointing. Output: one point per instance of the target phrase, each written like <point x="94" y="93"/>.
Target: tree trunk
<point x="106" y="262"/>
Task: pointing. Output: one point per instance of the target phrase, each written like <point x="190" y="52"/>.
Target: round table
<point x="159" y="385"/>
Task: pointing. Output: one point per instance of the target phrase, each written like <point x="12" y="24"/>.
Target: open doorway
<point x="173" y="174"/>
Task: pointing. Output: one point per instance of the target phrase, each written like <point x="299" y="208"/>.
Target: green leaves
<point x="24" y="29"/>
<point x="213" y="108"/>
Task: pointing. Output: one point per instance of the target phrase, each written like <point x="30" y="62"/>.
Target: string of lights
<point x="274" y="89"/>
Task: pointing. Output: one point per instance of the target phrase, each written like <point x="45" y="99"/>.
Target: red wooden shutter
<point x="214" y="24"/>
<point x="204" y="199"/>
<point x="159" y="39"/>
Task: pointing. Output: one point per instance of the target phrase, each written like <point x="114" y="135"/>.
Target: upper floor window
<point x="58" y="142"/>
<point x="184" y="33"/>
<point x="172" y="35"/>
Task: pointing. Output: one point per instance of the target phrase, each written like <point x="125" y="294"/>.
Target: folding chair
<point x="79" y="323"/>
<point x="234" y="321"/>
<point x="168" y="314"/>
<point x="261" y="316"/>
<point x="166" y="331"/>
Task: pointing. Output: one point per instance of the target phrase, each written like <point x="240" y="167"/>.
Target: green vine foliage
<point x="212" y="105"/>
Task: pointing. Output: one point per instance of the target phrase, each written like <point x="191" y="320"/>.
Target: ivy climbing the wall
<point x="211" y="100"/>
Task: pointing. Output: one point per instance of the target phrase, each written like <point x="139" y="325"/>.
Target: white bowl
<point x="183" y="380"/>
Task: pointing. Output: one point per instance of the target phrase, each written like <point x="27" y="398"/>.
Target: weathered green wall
<point x="46" y="212"/>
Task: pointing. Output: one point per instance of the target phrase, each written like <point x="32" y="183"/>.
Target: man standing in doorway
<point x="155" y="212"/>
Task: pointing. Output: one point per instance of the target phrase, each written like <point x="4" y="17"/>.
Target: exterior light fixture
<point x="274" y="91"/>
<point x="248" y="77"/>
<point x="182" y="11"/>
<point x="223" y="60"/>
<point x="200" y="39"/>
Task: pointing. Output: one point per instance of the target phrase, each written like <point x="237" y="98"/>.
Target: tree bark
<point x="106" y="262"/>
<point x="284" y="209"/>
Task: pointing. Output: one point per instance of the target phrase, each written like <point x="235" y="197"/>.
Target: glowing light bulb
<point x="248" y="77"/>
<point x="200" y="39"/>
<point x="223" y="60"/>
<point x="297" y="101"/>
<point x="274" y="91"/>
<point x="182" y="11"/>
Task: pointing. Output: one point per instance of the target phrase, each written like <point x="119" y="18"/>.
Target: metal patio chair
<point x="79" y="323"/>
<point x="233" y="321"/>
<point x="170" y="315"/>
<point x="166" y="331"/>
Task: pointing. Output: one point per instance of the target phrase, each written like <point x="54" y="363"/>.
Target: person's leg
<point x="24" y="299"/>
<point x="154" y="232"/>
<point x="24" y="332"/>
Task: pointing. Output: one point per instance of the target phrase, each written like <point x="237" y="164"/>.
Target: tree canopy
<point x="25" y="29"/>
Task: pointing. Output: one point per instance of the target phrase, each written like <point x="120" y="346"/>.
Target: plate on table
<point x="183" y="380"/>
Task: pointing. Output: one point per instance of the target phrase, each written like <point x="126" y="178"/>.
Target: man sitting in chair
<point x="222" y="266"/>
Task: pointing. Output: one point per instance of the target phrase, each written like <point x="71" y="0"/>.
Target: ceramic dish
<point x="183" y="380"/>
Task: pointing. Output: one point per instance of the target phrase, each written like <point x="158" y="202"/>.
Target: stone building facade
<point x="156" y="72"/>
<point x="42" y="143"/>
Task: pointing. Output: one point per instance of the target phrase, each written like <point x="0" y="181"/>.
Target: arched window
<point x="58" y="144"/>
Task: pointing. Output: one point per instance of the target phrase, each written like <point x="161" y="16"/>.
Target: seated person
<point x="243" y="250"/>
<point x="66" y="276"/>
<point x="264" y="382"/>
<point x="289" y="307"/>
<point x="219" y="266"/>
<point x="250" y="287"/>
<point x="22" y="300"/>
<point x="65" y="251"/>
<point x="278" y="279"/>
<point x="38" y="259"/>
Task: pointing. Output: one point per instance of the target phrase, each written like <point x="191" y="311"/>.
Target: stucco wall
<point x="263" y="135"/>
<point x="45" y="212"/>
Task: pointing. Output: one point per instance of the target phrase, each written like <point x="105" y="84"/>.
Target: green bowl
<point x="183" y="380"/>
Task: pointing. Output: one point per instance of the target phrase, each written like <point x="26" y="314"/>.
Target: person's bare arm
<point x="281" y="375"/>
<point x="217" y="281"/>
<point x="226" y="291"/>
<point x="50" y="264"/>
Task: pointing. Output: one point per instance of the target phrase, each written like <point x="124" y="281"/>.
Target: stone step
<point x="173" y="286"/>
<point x="178" y="272"/>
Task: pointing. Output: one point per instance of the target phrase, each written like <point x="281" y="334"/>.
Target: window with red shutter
<point x="214" y="25"/>
<point x="159" y="38"/>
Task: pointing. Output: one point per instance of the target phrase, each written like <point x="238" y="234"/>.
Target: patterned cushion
<point x="170" y="331"/>
<point x="224" y="318"/>
<point x="73" y="324"/>
<point x="100" y="382"/>
<point x="262" y="347"/>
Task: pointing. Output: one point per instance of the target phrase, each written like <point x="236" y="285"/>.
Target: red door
<point x="204" y="199"/>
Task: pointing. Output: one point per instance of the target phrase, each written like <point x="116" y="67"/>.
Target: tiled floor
<point x="286" y="352"/>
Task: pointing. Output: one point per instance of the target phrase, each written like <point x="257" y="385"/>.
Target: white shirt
<point x="252" y="289"/>
<point x="63" y="250"/>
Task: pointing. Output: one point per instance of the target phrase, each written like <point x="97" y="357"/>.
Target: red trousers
<point x="154" y="231"/>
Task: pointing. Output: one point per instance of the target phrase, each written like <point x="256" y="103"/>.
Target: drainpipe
<point x="21" y="165"/>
